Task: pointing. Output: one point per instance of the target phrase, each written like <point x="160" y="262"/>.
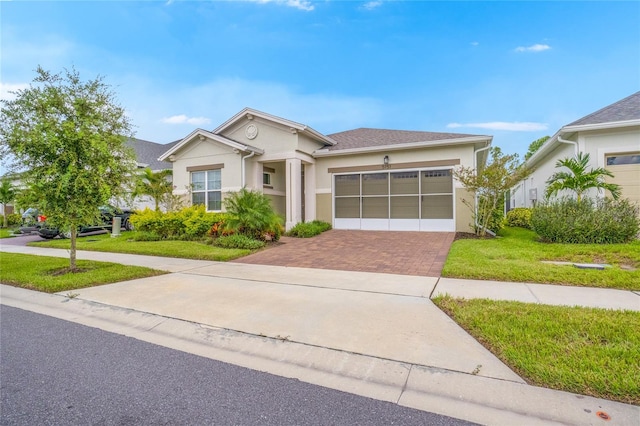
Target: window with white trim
<point x="206" y="189"/>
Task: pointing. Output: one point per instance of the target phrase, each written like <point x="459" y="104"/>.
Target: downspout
<point x="242" y="166"/>
<point x="475" y="167"/>
<point x="575" y="144"/>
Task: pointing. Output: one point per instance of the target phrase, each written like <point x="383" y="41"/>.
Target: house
<point x="611" y="136"/>
<point x="358" y="179"/>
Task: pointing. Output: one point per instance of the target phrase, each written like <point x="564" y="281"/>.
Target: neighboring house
<point x="147" y="154"/>
<point x="359" y="179"/>
<point x="611" y="136"/>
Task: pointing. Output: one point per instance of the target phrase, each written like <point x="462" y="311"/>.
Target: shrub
<point x="188" y="223"/>
<point x="238" y="241"/>
<point x="520" y="217"/>
<point x="586" y="222"/>
<point x="309" y="229"/>
<point x="250" y="213"/>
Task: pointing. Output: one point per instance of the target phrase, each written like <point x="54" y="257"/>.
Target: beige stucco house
<point x="359" y="179"/>
<point x="611" y="136"/>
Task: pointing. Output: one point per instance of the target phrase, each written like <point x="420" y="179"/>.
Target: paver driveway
<point x="407" y="253"/>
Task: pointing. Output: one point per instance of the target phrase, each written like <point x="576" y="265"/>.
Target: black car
<point x="107" y="213"/>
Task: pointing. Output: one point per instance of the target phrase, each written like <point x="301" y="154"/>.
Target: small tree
<point x="70" y="136"/>
<point x="250" y="213"/>
<point x="155" y="185"/>
<point x="489" y="185"/>
<point x="578" y="179"/>
<point x="7" y="194"/>
<point x="535" y="146"/>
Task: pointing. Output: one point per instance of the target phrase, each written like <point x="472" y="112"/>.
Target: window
<point x="266" y="179"/>
<point x="206" y="189"/>
<point x="618" y="160"/>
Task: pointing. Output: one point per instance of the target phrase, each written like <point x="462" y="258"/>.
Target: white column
<point x="309" y="192"/>
<point x="256" y="181"/>
<point x="293" y="192"/>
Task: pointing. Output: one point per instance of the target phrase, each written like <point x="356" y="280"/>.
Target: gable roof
<point x="624" y="113"/>
<point x="147" y="153"/>
<point x="204" y="134"/>
<point x="250" y="113"/>
<point x="623" y="110"/>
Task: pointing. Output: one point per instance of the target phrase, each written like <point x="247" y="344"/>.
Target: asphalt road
<point x="54" y="372"/>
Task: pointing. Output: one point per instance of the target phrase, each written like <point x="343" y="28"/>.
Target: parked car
<point x="107" y="213"/>
<point x="32" y="220"/>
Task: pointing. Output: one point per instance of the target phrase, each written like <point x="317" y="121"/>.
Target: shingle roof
<point x="148" y="152"/>
<point x="366" y="137"/>
<point x="623" y="110"/>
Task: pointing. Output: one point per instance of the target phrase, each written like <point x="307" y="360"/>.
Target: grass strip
<point x="42" y="273"/>
<point x="6" y="233"/>
<point x="581" y="350"/>
<point x="516" y="255"/>
<point x="166" y="248"/>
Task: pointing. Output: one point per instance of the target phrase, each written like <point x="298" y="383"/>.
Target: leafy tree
<point x="578" y="179"/>
<point x="70" y="136"/>
<point x="155" y="185"/>
<point x="250" y="213"/>
<point x="489" y="185"/>
<point x="535" y="146"/>
<point x="8" y="193"/>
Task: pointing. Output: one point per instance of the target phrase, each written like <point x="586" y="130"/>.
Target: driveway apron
<point x="405" y="253"/>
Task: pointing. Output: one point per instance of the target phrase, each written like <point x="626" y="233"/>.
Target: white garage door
<point x="411" y="200"/>
<point x="626" y="170"/>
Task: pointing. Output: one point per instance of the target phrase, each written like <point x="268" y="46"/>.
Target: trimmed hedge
<point x="309" y="229"/>
<point x="13" y="219"/>
<point x="519" y="217"/>
<point x="586" y="222"/>
<point x="238" y="241"/>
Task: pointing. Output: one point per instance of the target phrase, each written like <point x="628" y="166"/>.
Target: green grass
<point x="40" y="272"/>
<point x="581" y="350"/>
<point x="6" y="232"/>
<point x="167" y="248"/>
<point x="516" y="255"/>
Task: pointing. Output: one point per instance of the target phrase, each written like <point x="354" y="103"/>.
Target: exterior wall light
<point x="386" y="160"/>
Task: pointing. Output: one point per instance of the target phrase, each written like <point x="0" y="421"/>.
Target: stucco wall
<point x="201" y="153"/>
<point x="273" y="138"/>
<point x="324" y="209"/>
<point x="464" y="215"/>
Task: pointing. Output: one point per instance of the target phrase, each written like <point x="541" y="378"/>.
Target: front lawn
<point x="43" y="273"/>
<point x="167" y="248"/>
<point x="516" y="255"/>
<point x="581" y="350"/>
<point x="6" y="232"/>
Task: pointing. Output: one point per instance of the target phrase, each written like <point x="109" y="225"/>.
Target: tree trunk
<point x="72" y="250"/>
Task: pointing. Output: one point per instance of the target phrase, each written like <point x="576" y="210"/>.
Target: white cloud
<point x="5" y="88"/>
<point x="183" y="119"/>
<point x="515" y="126"/>
<point x="297" y="4"/>
<point x="370" y="5"/>
<point x="533" y="48"/>
<point x="475" y="43"/>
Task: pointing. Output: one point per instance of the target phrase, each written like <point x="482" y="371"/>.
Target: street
<point x="58" y="372"/>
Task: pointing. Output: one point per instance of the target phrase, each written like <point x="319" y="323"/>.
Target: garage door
<point x="408" y="200"/>
<point x="626" y="170"/>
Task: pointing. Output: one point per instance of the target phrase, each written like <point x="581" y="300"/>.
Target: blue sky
<point x="514" y="70"/>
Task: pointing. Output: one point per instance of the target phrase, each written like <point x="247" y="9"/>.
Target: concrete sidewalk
<point x="376" y="335"/>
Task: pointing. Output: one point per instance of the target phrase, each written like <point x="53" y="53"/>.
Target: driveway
<point x="405" y="253"/>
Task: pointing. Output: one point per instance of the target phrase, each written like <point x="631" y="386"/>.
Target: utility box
<point x="533" y="194"/>
<point x="117" y="224"/>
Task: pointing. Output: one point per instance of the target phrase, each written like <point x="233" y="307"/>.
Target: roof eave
<point x="207" y="134"/>
<point x="601" y="126"/>
<point x="399" y="147"/>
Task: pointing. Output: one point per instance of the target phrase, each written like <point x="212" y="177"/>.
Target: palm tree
<point x="7" y="194"/>
<point x="154" y="184"/>
<point x="578" y="179"/>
